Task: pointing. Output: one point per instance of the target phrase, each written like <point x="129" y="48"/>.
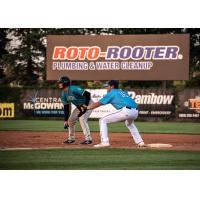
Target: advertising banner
<point x="44" y="102"/>
<point x="118" y="57"/>
<point x="154" y="102"/>
<point x="7" y="110"/>
<point x="188" y="104"/>
<point x="151" y="102"/>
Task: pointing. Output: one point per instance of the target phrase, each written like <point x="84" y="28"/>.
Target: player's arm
<point x="66" y="116"/>
<point x="94" y="105"/>
<point x="87" y="96"/>
<point x="66" y="107"/>
<point x="66" y="112"/>
<point x="81" y="92"/>
<point x="103" y="101"/>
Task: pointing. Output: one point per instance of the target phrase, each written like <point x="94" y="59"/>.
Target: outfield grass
<point x="96" y="159"/>
<point x="145" y="127"/>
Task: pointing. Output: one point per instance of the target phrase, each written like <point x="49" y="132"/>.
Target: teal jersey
<point x="119" y="99"/>
<point x="73" y="95"/>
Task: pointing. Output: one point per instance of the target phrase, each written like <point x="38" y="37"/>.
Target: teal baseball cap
<point x="112" y="83"/>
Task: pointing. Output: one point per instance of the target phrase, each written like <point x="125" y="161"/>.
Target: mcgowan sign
<point x="43" y="103"/>
<point x="119" y="57"/>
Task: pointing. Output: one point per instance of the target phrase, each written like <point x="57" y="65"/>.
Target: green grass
<point x="95" y="159"/>
<point x="99" y="158"/>
<point x="145" y="127"/>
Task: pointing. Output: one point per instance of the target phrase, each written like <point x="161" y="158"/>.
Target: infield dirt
<point x="23" y="139"/>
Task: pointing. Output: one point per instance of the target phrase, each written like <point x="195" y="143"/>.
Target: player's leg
<point x="110" y="118"/>
<point x="72" y="122"/>
<point x="134" y="131"/>
<point x="85" y="127"/>
<point x="132" y="128"/>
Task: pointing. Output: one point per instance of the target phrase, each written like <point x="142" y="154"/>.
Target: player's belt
<point x="130" y="108"/>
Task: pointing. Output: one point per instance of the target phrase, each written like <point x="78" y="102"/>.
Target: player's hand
<point x="82" y="109"/>
<point x="66" y="125"/>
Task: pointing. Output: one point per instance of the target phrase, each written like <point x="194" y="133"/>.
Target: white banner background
<point x="96" y="95"/>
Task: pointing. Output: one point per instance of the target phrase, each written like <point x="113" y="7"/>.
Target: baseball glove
<point x="82" y="109"/>
<point x="66" y="126"/>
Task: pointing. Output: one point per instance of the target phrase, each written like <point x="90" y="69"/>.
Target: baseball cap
<point x="65" y="81"/>
<point x="112" y="83"/>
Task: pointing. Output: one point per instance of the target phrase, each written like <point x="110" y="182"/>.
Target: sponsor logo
<point x="50" y="106"/>
<point x="42" y="103"/>
<point x="193" y="104"/>
<point x="97" y="96"/>
<point x="152" y="98"/>
<point x="116" y="53"/>
<point x="7" y="110"/>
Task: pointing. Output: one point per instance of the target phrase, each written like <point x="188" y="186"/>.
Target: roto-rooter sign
<point x="119" y="57"/>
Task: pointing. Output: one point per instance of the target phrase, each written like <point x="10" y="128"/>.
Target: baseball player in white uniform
<point x="80" y="98"/>
<point x="126" y="111"/>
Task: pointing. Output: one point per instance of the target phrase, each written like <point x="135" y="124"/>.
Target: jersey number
<point x="124" y="94"/>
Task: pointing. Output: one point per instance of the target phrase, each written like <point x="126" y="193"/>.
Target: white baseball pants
<point x="124" y="114"/>
<point x="83" y="122"/>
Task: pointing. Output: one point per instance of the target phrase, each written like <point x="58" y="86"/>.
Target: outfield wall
<point x="154" y="104"/>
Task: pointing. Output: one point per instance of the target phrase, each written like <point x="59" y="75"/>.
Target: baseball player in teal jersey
<point x="126" y="111"/>
<point x="80" y="98"/>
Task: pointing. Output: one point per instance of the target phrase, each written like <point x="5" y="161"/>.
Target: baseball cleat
<point x="141" y="144"/>
<point x="69" y="141"/>
<point x="102" y="145"/>
<point x="86" y="142"/>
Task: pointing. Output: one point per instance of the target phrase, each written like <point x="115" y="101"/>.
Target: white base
<point x="159" y="145"/>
